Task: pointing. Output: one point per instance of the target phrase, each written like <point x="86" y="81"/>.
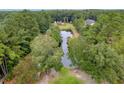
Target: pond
<point x="66" y="61"/>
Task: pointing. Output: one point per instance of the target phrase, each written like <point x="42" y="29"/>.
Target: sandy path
<point x="82" y="75"/>
<point x="48" y="77"/>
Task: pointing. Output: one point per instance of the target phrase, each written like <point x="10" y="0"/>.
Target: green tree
<point x="8" y="58"/>
<point x="55" y="33"/>
<point x="100" y="60"/>
<point x="46" y="53"/>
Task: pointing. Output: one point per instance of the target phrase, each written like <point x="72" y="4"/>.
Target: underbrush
<point x="24" y="72"/>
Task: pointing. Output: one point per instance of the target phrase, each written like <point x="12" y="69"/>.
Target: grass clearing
<point x="68" y="27"/>
<point x="66" y="78"/>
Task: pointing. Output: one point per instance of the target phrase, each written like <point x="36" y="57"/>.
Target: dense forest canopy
<point x="31" y="35"/>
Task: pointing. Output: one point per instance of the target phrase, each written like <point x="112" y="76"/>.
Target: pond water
<point x="66" y="61"/>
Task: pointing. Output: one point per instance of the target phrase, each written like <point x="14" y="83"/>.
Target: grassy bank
<point x="68" y="27"/>
<point x="65" y="77"/>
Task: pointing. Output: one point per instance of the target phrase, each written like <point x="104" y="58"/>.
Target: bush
<point x="119" y="46"/>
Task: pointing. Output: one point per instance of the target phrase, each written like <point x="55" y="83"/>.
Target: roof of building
<point x="89" y="21"/>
